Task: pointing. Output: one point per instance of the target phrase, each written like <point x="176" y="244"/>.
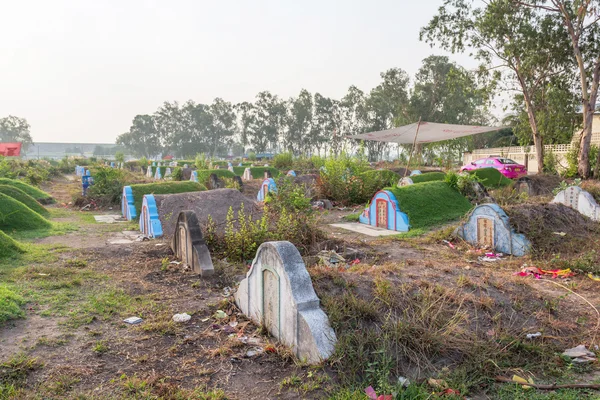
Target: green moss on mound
<point x="428" y="177"/>
<point x="257" y="172"/>
<point x="204" y="174"/>
<point x="9" y="247"/>
<point x="163" y="188"/>
<point x="34" y="192"/>
<point x="430" y="203"/>
<point x="16" y="216"/>
<point x="10" y="304"/>
<point x="491" y="177"/>
<point x="24" y="198"/>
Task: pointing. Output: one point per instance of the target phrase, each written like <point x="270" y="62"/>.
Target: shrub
<point x="340" y="180"/>
<point x="283" y="161"/>
<point x="463" y="183"/>
<point x="9" y="247"/>
<point x="201" y="161"/>
<point x="15" y="215"/>
<point x="376" y="180"/>
<point x="428" y="177"/>
<point x="108" y="186"/>
<point x="252" y="156"/>
<point x="203" y="175"/>
<point x="24" y="198"/>
<point x="550" y="162"/>
<point x="177" y="174"/>
<point x="34" y="192"/>
<point x="430" y="203"/>
<point x="571" y="170"/>
<point x="143" y="162"/>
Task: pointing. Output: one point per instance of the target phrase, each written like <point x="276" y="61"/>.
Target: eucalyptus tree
<point x="142" y="139"/>
<point x="15" y="129"/>
<point x="298" y="123"/>
<point x="270" y="112"/>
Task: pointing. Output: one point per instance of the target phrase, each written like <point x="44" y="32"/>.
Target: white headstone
<point x="278" y="293"/>
<point x="580" y="200"/>
<point x="405" y="182"/>
<point x="247" y="175"/>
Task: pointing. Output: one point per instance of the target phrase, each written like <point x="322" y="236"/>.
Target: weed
<point x="15" y="370"/>
<point x="100" y="347"/>
<point x="164" y="264"/>
<point x="62" y="384"/>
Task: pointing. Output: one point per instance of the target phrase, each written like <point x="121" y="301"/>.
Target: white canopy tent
<point x="424" y="132"/>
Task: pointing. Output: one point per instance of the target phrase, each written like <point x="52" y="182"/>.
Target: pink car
<point x="507" y="167"/>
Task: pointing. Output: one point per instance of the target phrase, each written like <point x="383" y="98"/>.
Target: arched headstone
<point x="127" y="204"/>
<point x="384" y="212"/>
<point x="168" y="172"/>
<point x="580" y="200"/>
<point x="268" y="186"/>
<point x="150" y="225"/>
<point x="185" y="166"/>
<point x="405" y="182"/>
<point x="278" y="294"/>
<point x="158" y="174"/>
<point x="230" y="168"/>
<point x="247" y="174"/>
<point x="149" y="172"/>
<point x="214" y="182"/>
<point x="194" y="176"/>
<point x="189" y="246"/>
<point x="240" y="165"/>
<point x="415" y="172"/>
<point x="291" y="173"/>
<point x="488" y="226"/>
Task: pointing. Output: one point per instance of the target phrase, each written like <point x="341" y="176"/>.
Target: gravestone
<point x="384" y="212"/>
<point x="291" y="173"/>
<point x="168" y="172"/>
<point x="240" y="165"/>
<point x="189" y="246"/>
<point x="488" y="226"/>
<point x="230" y="168"/>
<point x="580" y="200"/>
<point x="194" y="176"/>
<point x="127" y="204"/>
<point x="247" y="175"/>
<point x="268" y="186"/>
<point x="186" y="174"/>
<point x="278" y="294"/>
<point x="149" y="172"/>
<point x="415" y="172"/>
<point x="150" y="225"/>
<point x="239" y="182"/>
<point x="214" y="182"/>
<point x="158" y="174"/>
<point x="185" y="166"/>
<point x="405" y="182"/>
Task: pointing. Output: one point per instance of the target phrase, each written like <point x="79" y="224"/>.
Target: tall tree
<point x="581" y="19"/>
<point x="521" y="47"/>
<point x="298" y="123"/>
<point x="270" y="117"/>
<point x="325" y="121"/>
<point x="15" y="129"/>
<point x="142" y="140"/>
<point x="220" y="135"/>
<point x="246" y="121"/>
<point x="354" y="118"/>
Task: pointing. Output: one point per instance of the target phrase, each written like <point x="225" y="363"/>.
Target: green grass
<point x="9" y="248"/>
<point x="352" y="217"/>
<point x="431" y="203"/>
<point x="491" y="177"/>
<point x="257" y="172"/>
<point x="34" y="192"/>
<point x="10" y="304"/>
<point x="204" y="174"/>
<point x="16" y="216"/>
<point x="428" y="177"/>
<point x="24" y="198"/>
<point x="162" y="188"/>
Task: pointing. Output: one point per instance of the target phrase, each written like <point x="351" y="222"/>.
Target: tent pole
<point x="413" y="147"/>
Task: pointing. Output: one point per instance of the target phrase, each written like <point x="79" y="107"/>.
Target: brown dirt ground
<point x="205" y="352"/>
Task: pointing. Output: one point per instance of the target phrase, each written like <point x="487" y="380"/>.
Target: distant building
<point x="60" y="150"/>
<point x="10" y="149"/>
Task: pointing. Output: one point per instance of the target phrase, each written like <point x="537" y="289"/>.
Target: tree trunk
<point x="537" y="138"/>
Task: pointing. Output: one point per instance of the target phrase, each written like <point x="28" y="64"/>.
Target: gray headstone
<point x="189" y="246"/>
<point x="238" y="180"/>
<point x="405" y="182"/>
<point x="580" y="200"/>
<point x="214" y="182"/>
<point x="278" y="293"/>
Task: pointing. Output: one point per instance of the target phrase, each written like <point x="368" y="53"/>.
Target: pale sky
<point x="79" y="71"/>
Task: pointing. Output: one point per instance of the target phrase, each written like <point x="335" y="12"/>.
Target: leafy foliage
<point x="10" y="303"/>
<point x="283" y="161"/>
<point x="428" y="177"/>
<point x="203" y="175"/>
<point x="108" y="185"/>
<point x="15" y="129"/>
<point x="491" y="177"/>
<point x="340" y="180"/>
<point x="257" y="172"/>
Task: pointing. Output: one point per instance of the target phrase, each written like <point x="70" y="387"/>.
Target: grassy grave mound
<point x="162" y="188"/>
<point x="204" y="174"/>
<point x="9" y="247"/>
<point x="34" y="192"/>
<point x="491" y="177"/>
<point x="10" y="304"/>
<point x="24" y="198"/>
<point x="554" y="228"/>
<point x="428" y="177"/>
<point x="257" y="172"/>
<point x="430" y="203"/>
<point x="16" y="216"/>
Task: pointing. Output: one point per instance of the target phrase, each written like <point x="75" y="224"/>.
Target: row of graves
<point x="277" y="291"/>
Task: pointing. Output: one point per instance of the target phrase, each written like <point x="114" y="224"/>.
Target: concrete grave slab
<point x="488" y="226"/>
<point x="109" y="219"/>
<point x="278" y="293"/>
<point x="365" y="229"/>
<point x="189" y="246"/>
<point x="580" y="200"/>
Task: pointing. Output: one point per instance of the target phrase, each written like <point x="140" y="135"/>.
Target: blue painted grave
<point x="384" y="212"/>
<point x="268" y="186"/>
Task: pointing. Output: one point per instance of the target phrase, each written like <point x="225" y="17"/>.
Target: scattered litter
<point x="371" y="394"/>
<point x="133" y="320"/>
<point x="228" y="329"/>
<point x="518" y="379"/>
<point x="449" y="392"/>
<point x="205" y="319"/>
<point x="594" y="277"/>
<point x="449" y="244"/>
<point x="403" y="381"/>
<point x="533" y="335"/>
<point x="254" y="352"/>
<point x="159" y="244"/>
<point x="185" y="317"/>
<point x="227" y="291"/>
<point x="331" y="259"/>
<point x="560" y="233"/>
<point x="233" y="324"/>
<point x="220" y="314"/>
<point x="41" y="274"/>
<point x="491" y="257"/>
<point x="580" y="354"/>
<point x="175" y="262"/>
<point x="537" y="273"/>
